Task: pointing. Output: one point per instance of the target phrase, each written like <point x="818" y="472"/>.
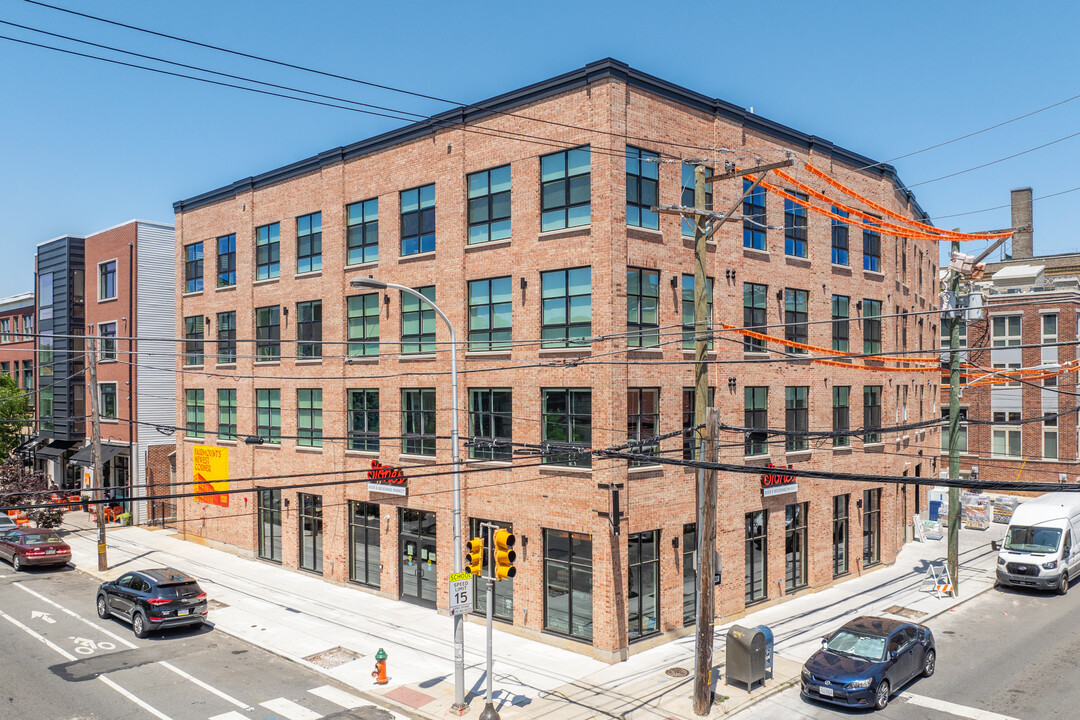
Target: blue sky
<point x="86" y="145"/>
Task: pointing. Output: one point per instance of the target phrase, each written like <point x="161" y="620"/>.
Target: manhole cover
<point x="677" y="672"/>
<point x="216" y="605"/>
<point x="332" y="658"/>
<point x="905" y="612"/>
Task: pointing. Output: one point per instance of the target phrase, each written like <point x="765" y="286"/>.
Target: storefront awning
<point x="85" y="456"/>
<point x="28" y="443"/>
<point x="55" y="449"/>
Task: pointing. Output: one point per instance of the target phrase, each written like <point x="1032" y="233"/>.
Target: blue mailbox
<point x="764" y="630"/>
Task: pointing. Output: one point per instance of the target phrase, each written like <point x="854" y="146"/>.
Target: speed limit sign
<point x="461" y="586"/>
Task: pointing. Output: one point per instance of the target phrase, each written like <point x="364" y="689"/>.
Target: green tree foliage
<point x="20" y="486"/>
<point x="14" y="406"/>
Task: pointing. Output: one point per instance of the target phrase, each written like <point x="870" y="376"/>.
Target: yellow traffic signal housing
<point x="474" y="556"/>
<point x="504" y="555"/>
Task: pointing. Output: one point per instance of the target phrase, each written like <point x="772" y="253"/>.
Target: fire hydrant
<point x="379" y="673"/>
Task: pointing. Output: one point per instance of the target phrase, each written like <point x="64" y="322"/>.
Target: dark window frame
<point x="363" y="419"/>
<point x="687" y="197"/>
<point x="754" y="218"/>
<point x="226" y="414"/>
<point x="574" y="419"/>
<point x="841" y="535"/>
<point x="418" y="426"/>
<point x="841" y="405"/>
<point x="194" y="337"/>
<point x="841" y="239"/>
<point x="364" y="531"/>
<point x="309" y="232"/>
<point x="413" y="308"/>
<point x="756" y="590"/>
<point x="194" y="412"/>
<point x="362" y="314"/>
<point x="268" y="415"/>
<point x="309" y="329"/>
<point x="226" y="337"/>
<point x="872" y="414"/>
<point x="269" y="518"/>
<point x="417" y="224"/>
<point x="578" y="561"/>
<point x="492" y="427"/>
<point x="796" y="558"/>
<point x="107" y="276"/>
<point x="841" y="325"/>
<point x="640" y="332"/>
<point x="226" y="260"/>
<point x="756" y="416"/>
<point x="871" y="326"/>
<point x="569" y="331"/>
<point x="641" y="424"/>
<point x="561" y="191"/>
<point x="267" y="333"/>
<point x="310" y="529"/>
<point x="362" y="232"/>
<point x="754" y="315"/>
<point x="871" y="249"/>
<point x="796" y="317"/>
<point x="489" y="211"/>
<point x="689" y="331"/>
<point x="796" y="417"/>
<point x="268" y="251"/>
<point x="487" y="330"/>
<point x="642" y="188"/>
<point x="309" y="420"/>
<point x="193" y="268"/>
<point x="795" y="234"/>
<point x="639" y="567"/>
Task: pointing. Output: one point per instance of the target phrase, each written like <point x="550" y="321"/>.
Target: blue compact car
<point x="863" y="663"/>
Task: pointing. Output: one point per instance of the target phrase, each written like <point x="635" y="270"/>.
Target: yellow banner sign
<point x="210" y="474"/>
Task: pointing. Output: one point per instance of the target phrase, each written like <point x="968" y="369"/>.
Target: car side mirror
<point x="893" y="654"/>
<point x="824" y="643"/>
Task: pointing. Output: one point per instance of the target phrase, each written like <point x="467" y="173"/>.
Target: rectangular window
<point x="45" y="405"/>
<point x="840" y="231"/>
<point x="195" y="413"/>
<point x="871" y="527"/>
<point x="28" y="375"/>
<point x="503" y="608"/>
<point x="795" y="226"/>
<point x="418" y="422"/>
<point x="840" y="535"/>
<point x="568" y="584"/>
<point x="193" y="269"/>
<point x="1006" y="439"/>
<point x="490" y="422"/>
<point x="267" y="333"/>
<point x="192" y="273"/>
<point x="841" y="330"/>
<point x="364" y="564"/>
<point x="107" y="333"/>
<point x="268" y="251"/>
<point x="226" y="402"/>
<point x="418" y="220"/>
<point x="1050" y="440"/>
<point x="45" y="296"/>
<point x="642" y="179"/>
<point x="309" y="329"/>
<point x="193" y="340"/>
<point x="567" y="307"/>
<point x="226" y="260"/>
<point x="362" y="232"/>
<point x="568" y="420"/>
<point x="961" y="438"/>
<point x="756" y="416"/>
<point x="45" y="353"/>
<point x="489" y="205"/>
<point x="226" y="337"/>
<point x="871" y="248"/>
<point x="418" y="322"/>
<point x="642" y="307"/>
<point x="1049" y="328"/>
<point x="565" y="189"/>
<point x="107" y="400"/>
<point x="643" y="595"/>
<point x="689" y="334"/>
<point x="364" y="420"/>
<point x="309" y="243"/>
<point x="363" y="319"/>
<point x="1006" y="331"/>
<point x="28" y="326"/>
<point x="309" y="423"/>
<point x="871" y="326"/>
<point x="871" y="413"/>
<point x="795" y="549"/>
<point x="642" y="418"/>
<point x="491" y="311"/>
<point x="756" y="556"/>
<point x="689" y="405"/>
<point x="5" y="330"/>
<point x="754" y="315"/>
<point x="797" y="418"/>
<point x="841" y="414"/>
<point x="1004" y="368"/>
<point x="270" y="525"/>
<point x="688" y="195"/>
<point x="268" y="416"/>
<point x="753" y="210"/>
<point x="689" y="574"/>
<point x="796" y="306"/>
<point x="311" y="532"/>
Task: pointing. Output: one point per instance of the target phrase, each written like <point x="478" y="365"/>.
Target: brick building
<point x="17" y="350"/>
<point x="571" y="301"/>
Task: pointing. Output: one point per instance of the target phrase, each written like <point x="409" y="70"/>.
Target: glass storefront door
<point x="419" y="566"/>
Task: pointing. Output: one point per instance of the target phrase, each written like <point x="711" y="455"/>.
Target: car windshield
<point x="41" y="539"/>
<point x="868" y="647"/>
<point x="1034" y="539"/>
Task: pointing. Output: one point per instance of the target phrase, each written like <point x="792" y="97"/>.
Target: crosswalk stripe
<point x="338" y="697"/>
<point x="290" y="710"/>
<point x="952" y="708"/>
<point x="231" y="715"/>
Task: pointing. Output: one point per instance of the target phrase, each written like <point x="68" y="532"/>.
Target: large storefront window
<point x="756" y="555"/>
<point x="270" y="525"/>
<point x="364" y="562"/>
<point x="503" y="609"/>
<point x="643" y="606"/>
<point x="311" y="520"/>
<point x="840" y="535"/>
<point x="795" y="546"/>
<point x="568" y="584"/>
<point x="689" y="574"/>
<point x="871" y="532"/>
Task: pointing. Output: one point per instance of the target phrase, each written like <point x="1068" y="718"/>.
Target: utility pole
<point x="99" y="484"/>
<point x="954" y="428"/>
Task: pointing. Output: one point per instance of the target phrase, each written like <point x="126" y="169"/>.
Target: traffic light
<point x="504" y="554"/>
<point x="474" y="556"/>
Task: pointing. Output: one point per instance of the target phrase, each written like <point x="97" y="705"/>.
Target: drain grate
<point x="334" y="657"/>
<point x="216" y="605"/>
<point x="905" y="612"/>
<point x="677" y="672"/>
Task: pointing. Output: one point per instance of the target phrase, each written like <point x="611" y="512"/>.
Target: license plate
<point x="185" y="611"/>
<point x="826" y="691"/>
<point x="50" y="552"/>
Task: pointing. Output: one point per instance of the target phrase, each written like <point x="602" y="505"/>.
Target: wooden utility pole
<point x="706" y="533"/>
<point x="99" y="481"/>
<point x="954" y="429"/>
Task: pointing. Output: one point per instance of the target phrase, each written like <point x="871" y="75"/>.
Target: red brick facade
<point x="16" y="340"/>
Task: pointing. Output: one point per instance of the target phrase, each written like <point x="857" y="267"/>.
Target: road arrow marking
<point x="44" y="616"/>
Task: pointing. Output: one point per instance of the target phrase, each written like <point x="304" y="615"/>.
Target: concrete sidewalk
<point x="299" y="616"/>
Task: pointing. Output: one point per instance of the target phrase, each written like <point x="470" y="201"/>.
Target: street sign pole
<point x="489" y="712"/>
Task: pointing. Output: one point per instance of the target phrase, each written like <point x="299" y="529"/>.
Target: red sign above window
<point x="778" y="483"/>
<point x="386" y="479"/>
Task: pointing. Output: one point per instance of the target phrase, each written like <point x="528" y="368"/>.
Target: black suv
<point x="153" y="599"/>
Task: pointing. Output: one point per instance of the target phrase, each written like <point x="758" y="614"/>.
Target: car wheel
<point x="928" y="663"/>
<point x="881" y="697"/>
<point x="138" y="626"/>
<point x="102" y="607"/>
<point x="16" y="563"/>
<point x="1063" y="586"/>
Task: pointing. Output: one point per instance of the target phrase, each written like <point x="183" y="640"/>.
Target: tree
<point x="19" y="486"/>
<point x="15" y="413"/>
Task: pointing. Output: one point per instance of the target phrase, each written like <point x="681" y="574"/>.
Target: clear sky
<point x="85" y="145"/>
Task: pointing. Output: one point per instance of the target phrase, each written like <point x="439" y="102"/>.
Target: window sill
<point x="763" y="456"/>
<point x="196" y="293"/>
<point x="567" y="469"/>
<point x="225" y="366"/>
<point x="484" y="354"/>
<point x="416" y="256"/>
<point x="266" y="446"/>
<point x="362" y="453"/>
<point x="226" y="442"/>
<point x="267" y="363"/>
<point x="419" y="357"/>
<point x="107" y="362"/>
<point x="362" y="360"/>
<point x="487" y="245"/>
<point x="798" y="455"/>
<point x="309" y="449"/>
<point x="582" y="350"/>
<point x="362" y="266"/>
<point x="110" y="421"/>
<point x="844" y="449"/>
<point x="308" y="274"/>
<point x="192" y="439"/>
<point x="874" y="274"/>
<point x="709" y="354"/>
<point x="765" y="255"/>
<point x="309" y="361"/>
<point x="407" y="457"/>
<point x="873" y="445"/>
<point x="646" y="351"/>
<point x="711" y="242"/>
<point x="755" y="354"/>
<point x="193" y="366"/>
<point x="840" y="266"/>
<point x="225" y="288"/>
<point x="645" y="469"/>
<point x="266" y="281"/>
<point x="565" y="232"/>
<point x="480" y="462"/>
<point x="797" y="259"/>
<point x="102" y="301"/>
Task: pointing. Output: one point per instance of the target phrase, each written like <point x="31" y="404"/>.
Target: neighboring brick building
<point x="543" y="245"/>
<point x="17" y="351"/>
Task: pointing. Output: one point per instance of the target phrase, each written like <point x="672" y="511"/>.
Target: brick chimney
<point x="1022" y="242"/>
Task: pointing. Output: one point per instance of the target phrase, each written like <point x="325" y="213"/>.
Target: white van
<point x="1042" y="545"/>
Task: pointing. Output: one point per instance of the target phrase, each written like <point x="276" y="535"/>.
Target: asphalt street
<point x="61" y="662"/>
<point x="1005" y="654"/>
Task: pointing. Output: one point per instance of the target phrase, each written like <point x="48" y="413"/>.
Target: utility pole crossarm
<point x="688" y="212"/>
<point x="750" y="171"/>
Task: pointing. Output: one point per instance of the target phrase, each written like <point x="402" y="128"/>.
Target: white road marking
<point x="68" y="656"/>
<point x="75" y="615"/>
<point x="44" y="616"/>
<point x="290" y="710"/>
<point x="338" y="697"/>
<point x="204" y="686"/>
<point x="952" y="708"/>
<point x="231" y="715"/>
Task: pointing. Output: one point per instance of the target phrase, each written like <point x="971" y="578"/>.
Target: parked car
<point x="7" y="523"/>
<point x="25" y="547"/>
<point x="864" y="662"/>
<point x="153" y="599"/>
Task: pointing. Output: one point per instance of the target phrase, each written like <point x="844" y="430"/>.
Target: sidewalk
<point x="299" y="616"/>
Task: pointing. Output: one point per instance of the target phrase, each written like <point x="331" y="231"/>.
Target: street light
<point x="459" y="619"/>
